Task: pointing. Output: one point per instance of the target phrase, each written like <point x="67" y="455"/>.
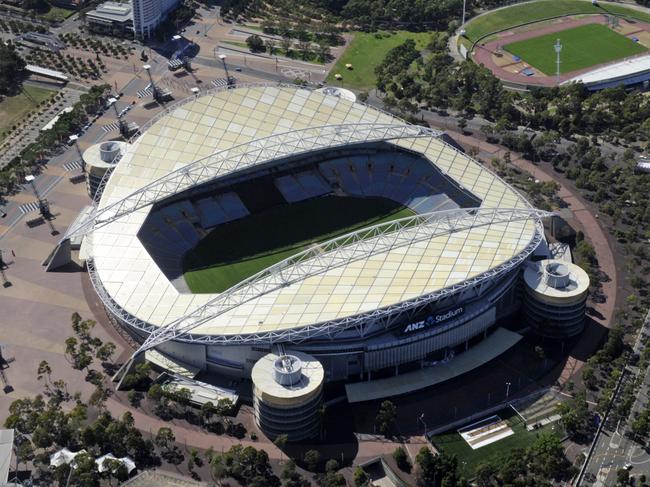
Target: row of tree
<point x="364" y="14"/>
<point x="12" y="68"/>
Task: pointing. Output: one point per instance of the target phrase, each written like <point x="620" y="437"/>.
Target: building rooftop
<point x="203" y="126"/>
<point x="112" y="11"/>
<point x="615" y="71"/>
<point x="310" y="371"/>
<point x="556" y="279"/>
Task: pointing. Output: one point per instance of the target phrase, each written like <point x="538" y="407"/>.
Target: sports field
<point x="582" y="47"/>
<point x="509" y="17"/>
<point x="239" y="249"/>
<point x="452" y="443"/>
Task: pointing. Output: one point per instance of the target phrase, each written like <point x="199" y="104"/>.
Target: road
<point x="614" y="447"/>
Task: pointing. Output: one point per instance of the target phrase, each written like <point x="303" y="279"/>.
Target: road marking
<point x="29" y="207"/>
<point x="111" y="126"/>
<point x="218" y="83"/>
<point x="72" y="165"/>
<point x="146" y="92"/>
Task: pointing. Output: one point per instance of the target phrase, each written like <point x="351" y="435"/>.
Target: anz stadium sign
<point x="433" y="320"/>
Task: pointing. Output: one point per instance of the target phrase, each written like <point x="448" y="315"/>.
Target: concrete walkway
<point x="583" y="219"/>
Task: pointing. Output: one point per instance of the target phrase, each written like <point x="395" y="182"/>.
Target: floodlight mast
<point x="558" y="50"/>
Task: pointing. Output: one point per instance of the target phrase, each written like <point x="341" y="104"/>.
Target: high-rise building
<point x="148" y="14"/>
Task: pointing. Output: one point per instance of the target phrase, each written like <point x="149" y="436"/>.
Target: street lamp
<point x="507" y="390"/>
<point x="225" y="67"/>
<point x="421" y="419"/>
<point x="558" y="50"/>
<point x="73" y="140"/>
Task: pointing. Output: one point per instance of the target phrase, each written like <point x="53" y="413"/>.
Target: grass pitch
<point x="366" y="51"/>
<point x="509" y="17"/>
<point x="451" y="442"/>
<point x="582" y="47"/>
<point x="234" y="251"/>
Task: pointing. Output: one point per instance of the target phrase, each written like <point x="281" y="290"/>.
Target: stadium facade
<point x="390" y="297"/>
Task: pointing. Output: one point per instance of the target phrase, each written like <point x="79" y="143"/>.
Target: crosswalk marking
<point x="146" y="92"/>
<point x="72" y="165"/>
<point x="218" y="83"/>
<point x="111" y="126"/>
<point x="29" y="207"/>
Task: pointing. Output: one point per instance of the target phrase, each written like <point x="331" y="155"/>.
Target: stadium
<point x="265" y="221"/>
<point x="545" y="44"/>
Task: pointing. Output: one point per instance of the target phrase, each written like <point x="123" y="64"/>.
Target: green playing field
<point x="582" y="47"/>
<point x="234" y="251"/>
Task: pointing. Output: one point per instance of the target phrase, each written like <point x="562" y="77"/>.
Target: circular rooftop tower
<point x="287" y="394"/>
<point x="556" y="292"/>
<point x="98" y="159"/>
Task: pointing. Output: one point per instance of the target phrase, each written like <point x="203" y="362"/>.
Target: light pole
<point x="74" y="140"/>
<point x="464" y="10"/>
<point x="558" y="50"/>
<point x="421" y="419"/>
<point x="154" y="89"/>
<point x="507" y="390"/>
<point x="225" y="67"/>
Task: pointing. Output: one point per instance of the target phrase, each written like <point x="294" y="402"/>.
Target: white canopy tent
<point x="63" y="456"/>
<point x="126" y="461"/>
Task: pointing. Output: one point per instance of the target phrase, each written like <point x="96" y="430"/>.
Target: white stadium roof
<point x="615" y="71"/>
<point x="130" y="281"/>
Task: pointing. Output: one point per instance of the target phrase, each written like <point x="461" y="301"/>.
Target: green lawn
<point x="468" y="459"/>
<point x="57" y="14"/>
<point x="239" y="249"/>
<point x="582" y="47"/>
<point x="367" y="51"/>
<point x="529" y="12"/>
<point x="13" y="108"/>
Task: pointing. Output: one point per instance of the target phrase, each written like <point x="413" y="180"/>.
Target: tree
<point x="548" y="455"/>
<point x="576" y="417"/>
<point x="255" y="43"/>
<point x="291" y="478"/>
<point x="323" y="53"/>
<point x="164" y="438"/>
<point x="85" y="472"/>
<point x="44" y="370"/>
<point x="134" y="397"/>
<point x="207" y="411"/>
<point x="285" y="44"/>
<point x="281" y="441"/>
<point x="270" y="46"/>
<point x="401" y="459"/>
<point x="155" y="392"/>
<point x="312" y="460"/>
<point x="361" y="477"/>
<point x="385" y="420"/>
<point x="106" y="351"/>
<point x="182" y="396"/>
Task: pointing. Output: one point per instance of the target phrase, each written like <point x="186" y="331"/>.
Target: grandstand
<point x="275" y="219"/>
<point x="294" y="208"/>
